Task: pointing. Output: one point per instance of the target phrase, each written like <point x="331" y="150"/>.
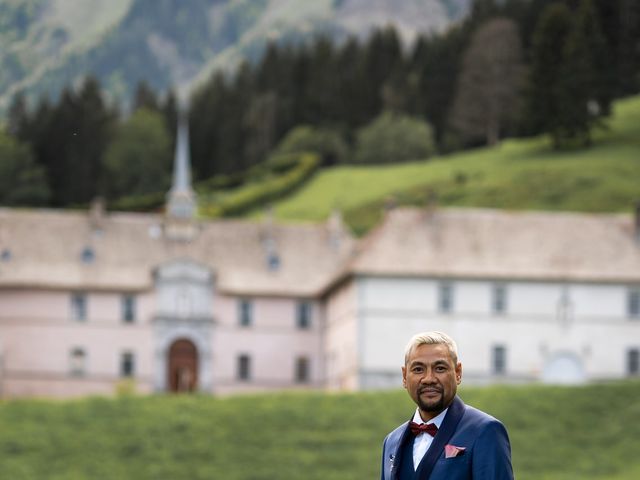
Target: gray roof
<point x="483" y="243"/>
<point x="46" y="249"/>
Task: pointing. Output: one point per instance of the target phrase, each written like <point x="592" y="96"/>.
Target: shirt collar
<point x="437" y="419"/>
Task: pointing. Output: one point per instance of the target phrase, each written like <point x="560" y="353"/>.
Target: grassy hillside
<point x="518" y="174"/>
<point x="557" y="433"/>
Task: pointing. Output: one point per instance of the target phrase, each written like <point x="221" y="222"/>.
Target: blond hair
<point x="432" y="338"/>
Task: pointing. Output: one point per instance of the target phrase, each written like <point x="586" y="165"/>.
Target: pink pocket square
<point x="451" y="451"/>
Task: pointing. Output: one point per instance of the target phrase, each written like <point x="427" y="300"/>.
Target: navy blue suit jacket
<point x="487" y="454"/>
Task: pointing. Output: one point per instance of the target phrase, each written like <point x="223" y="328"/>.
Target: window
<point x="88" y="255"/>
<point x="499" y="301"/>
<point x="302" y="370"/>
<point x="633" y="303"/>
<point x="128" y="304"/>
<point x="79" y="306"/>
<point x="77" y="361"/>
<point x="303" y="315"/>
<point x="245" y="313"/>
<point x="499" y="359"/>
<point x="445" y="297"/>
<point x="127" y="364"/>
<point x="633" y="362"/>
<point x="244" y="367"/>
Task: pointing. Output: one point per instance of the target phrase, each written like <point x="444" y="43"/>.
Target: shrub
<point x="393" y="138"/>
<point x="325" y="142"/>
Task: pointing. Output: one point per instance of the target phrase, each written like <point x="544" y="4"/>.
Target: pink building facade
<point x="96" y="302"/>
<point x="179" y="318"/>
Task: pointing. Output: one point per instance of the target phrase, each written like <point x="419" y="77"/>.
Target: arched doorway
<point x="564" y="368"/>
<point x="183" y="366"/>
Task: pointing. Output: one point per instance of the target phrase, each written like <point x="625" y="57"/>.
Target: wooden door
<point x="183" y="366"/>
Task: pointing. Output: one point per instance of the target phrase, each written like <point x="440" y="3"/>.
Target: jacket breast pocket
<point x="455" y="468"/>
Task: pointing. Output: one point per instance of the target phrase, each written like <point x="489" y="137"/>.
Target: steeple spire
<point x="182" y="198"/>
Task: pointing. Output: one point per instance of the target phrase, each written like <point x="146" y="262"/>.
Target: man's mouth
<point x="429" y="391"/>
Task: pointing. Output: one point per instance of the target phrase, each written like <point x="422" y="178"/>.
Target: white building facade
<point x="545" y="314"/>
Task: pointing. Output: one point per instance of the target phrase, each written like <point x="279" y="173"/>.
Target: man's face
<point x="431" y="378"/>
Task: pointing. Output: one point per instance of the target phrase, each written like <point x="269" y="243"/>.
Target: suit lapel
<point x="446" y="431"/>
<point x="397" y="450"/>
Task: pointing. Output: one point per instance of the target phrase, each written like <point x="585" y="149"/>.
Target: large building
<point x="91" y="301"/>
<point x="529" y="296"/>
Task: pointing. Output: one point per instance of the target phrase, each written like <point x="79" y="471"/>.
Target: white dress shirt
<point x="423" y="441"/>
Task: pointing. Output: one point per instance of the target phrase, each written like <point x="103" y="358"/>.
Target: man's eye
<point x="417" y="370"/>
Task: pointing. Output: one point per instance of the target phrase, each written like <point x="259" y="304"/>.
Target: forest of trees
<point x="513" y="68"/>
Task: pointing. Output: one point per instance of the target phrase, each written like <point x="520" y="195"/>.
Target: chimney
<point x="97" y="214"/>
<point x="267" y="236"/>
<point x="336" y="229"/>
<point x="431" y="204"/>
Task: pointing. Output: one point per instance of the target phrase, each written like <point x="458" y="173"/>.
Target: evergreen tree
<point x="546" y="100"/>
<point x="351" y="100"/>
<point x="322" y="90"/>
<point x="382" y="59"/>
<point x="260" y="126"/>
<point x="627" y="53"/>
<point x="138" y="160"/>
<point x="568" y="87"/>
<point x="145" y="97"/>
<point x="436" y="63"/>
<point x="585" y="90"/>
<point x="169" y="110"/>
<point x="18" y="117"/>
<point x="22" y="181"/>
<point x="71" y="143"/>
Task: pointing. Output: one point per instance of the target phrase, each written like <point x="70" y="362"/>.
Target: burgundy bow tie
<point x="418" y="428"/>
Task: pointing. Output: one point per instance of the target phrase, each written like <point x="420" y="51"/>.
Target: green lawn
<point x="518" y="174"/>
<point x="557" y="433"/>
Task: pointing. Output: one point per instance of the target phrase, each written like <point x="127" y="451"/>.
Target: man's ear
<point x="404" y="377"/>
<point x="458" y="373"/>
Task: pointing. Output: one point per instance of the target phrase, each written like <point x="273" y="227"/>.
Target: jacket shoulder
<point x="478" y="417"/>
<point x="394" y="438"/>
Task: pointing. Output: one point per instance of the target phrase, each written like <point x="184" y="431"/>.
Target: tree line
<point x="513" y="68"/>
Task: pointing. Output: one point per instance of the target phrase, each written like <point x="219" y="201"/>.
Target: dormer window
<point x="273" y="262"/>
<point x="88" y="255"/>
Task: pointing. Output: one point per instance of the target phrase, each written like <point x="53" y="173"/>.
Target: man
<point x="446" y="439"/>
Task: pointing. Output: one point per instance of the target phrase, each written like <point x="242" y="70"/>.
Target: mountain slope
<point x="52" y="43"/>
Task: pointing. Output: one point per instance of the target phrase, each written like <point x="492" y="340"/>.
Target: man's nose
<point x="428" y="376"/>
